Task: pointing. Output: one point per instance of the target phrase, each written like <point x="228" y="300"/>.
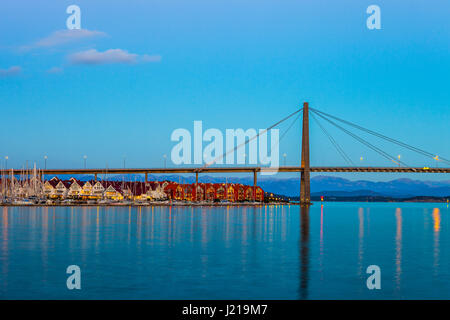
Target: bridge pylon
<point x="305" y="191"/>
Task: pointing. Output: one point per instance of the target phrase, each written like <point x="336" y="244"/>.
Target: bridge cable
<point x="368" y="144"/>
<point x="251" y="139"/>
<point x="423" y="152"/>
<point x="334" y="143"/>
<point x="285" y="132"/>
<point x="405" y="145"/>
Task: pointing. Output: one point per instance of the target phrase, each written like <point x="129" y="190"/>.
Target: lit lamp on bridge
<point x="437" y="159"/>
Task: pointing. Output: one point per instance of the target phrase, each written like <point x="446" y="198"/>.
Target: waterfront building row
<point x="56" y="188"/>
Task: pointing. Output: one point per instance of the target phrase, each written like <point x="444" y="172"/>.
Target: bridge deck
<point x="233" y="169"/>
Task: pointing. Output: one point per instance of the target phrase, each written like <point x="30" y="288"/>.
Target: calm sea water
<point x="268" y="252"/>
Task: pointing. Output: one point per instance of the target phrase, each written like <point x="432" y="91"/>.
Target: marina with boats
<point x="31" y="188"/>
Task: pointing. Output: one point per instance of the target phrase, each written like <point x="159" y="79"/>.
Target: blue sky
<point x="231" y="64"/>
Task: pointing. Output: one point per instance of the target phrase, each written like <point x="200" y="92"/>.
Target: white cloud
<point x="55" y="70"/>
<point x="11" y="71"/>
<point x="63" y="37"/>
<point x="94" y="57"/>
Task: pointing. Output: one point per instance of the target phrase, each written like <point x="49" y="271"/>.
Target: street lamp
<point x="45" y="162"/>
<point x="165" y="158"/>
<point x="85" y="158"/>
<point x="6" y="159"/>
<point x="437" y="159"/>
<point x="399" y="157"/>
<point x="284" y="156"/>
<point x="124" y="159"/>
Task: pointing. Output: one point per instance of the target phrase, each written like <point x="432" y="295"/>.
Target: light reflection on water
<point x="398" y="247"/>
<point x="437" y="229"/>
<point x="360" y="240"/>
<point x="267" y="252"/>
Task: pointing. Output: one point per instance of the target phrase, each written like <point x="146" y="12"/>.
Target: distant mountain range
<point x="320" y="185"/>
<point x="340" y="187"/>
<point x="398" y="188"/>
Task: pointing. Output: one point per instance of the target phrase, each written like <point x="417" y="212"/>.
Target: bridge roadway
<point x="231" y="170"/>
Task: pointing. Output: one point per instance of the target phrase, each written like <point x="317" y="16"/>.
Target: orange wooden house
<point x="213" y="192"/>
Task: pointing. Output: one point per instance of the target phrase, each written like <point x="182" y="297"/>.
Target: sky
<point x="138" y="70"/>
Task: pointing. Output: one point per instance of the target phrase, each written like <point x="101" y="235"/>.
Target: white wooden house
<point x="98" y="190"/>
<point x="61" y="190"/>
<point x="75" y="188"/>
<point x="48" y="189"/>
<point x="87" y="191"/>
<point x="112" y="193"/>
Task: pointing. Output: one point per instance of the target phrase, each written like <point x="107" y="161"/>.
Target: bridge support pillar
<point x="196" y="186"/>
<point x="95" y="177"/>
<point x="254" y="185"/>
<point x="305" y="192"/>
<point x="146" y="177"/>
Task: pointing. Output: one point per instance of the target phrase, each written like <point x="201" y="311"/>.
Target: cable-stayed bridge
<point x="304" y="168"/>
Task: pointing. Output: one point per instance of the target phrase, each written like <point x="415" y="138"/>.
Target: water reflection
<point x="97" y="230"/>
<point x="5" y="242"/>
<point x="360" y="240"/>
<point x="244" y="227"/>
<point x="321" y="254"/>
<point x="129" y="224"/>
<point x="254" y="222"/>
<point x="436" y="220"/>
<point x="5" y="228"/>
<point x="225" y="252"/>
<point x="398" y="247"/>
<point x="436" y="228"/>
<point x="44" y="237"/>
<point x="139" y="225"/>
<point x="304" y="251"/>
